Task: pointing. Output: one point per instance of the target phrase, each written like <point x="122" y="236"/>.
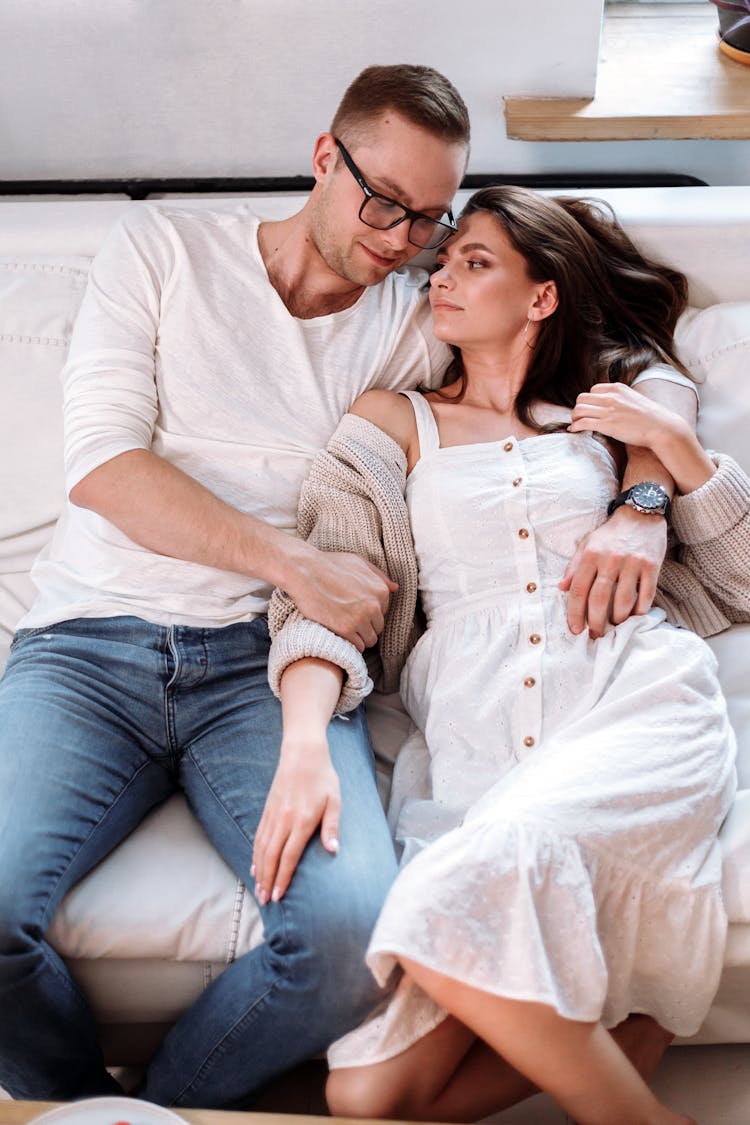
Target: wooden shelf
<point x="661" y="75"/>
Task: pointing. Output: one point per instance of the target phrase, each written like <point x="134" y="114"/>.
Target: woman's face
<point x="481" y="292"/>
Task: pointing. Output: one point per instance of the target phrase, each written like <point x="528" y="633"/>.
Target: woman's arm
<point x="352" y="500"/>
<point x="111" y="406"/>
<point x="712" y="524"/>
<point x="711" y="512"/>
<point x="620" y="412"/>
<point x="305" y="793"/>
<point x="615" y="569"/>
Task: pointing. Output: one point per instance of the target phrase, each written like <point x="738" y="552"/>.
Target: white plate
<point x="109" y="1111"/>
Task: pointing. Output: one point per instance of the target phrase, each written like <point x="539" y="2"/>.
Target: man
<point x="212" y="358"/>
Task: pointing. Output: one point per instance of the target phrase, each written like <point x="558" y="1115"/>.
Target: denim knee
<point x="20" y="935"/>
<point x="323" y="941"/>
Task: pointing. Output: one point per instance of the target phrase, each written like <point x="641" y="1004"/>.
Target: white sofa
<point x="162" y="915"/>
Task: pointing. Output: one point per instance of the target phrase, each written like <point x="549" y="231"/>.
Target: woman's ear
<point x="545" y="303"/>
<point x="324" y="156"/>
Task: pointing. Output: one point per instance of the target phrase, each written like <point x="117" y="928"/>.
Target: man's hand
<point x="345" y="593"/>
<point x="614" y="571"/>
<point x="304" y="795"/>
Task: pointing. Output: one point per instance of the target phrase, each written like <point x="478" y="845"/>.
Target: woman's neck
<point x="495" y="376"/>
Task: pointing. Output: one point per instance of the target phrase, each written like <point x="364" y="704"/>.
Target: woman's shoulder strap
<point x="429" y="436"/>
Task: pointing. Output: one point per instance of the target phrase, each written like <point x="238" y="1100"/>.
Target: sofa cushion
<point x="39" y="298"/>
<point x="731" y="649"/>
<point x="714" y="343"/>
<point x="126" y="908"/>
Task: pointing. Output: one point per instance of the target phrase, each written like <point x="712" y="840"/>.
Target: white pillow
<point x="714" y="344"/>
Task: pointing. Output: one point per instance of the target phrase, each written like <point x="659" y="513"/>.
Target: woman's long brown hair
<point x="617" y="308"/>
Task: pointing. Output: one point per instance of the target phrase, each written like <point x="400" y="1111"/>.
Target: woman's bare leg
<point x="450" y="1075"/>
<point x="447" y="1075"/>
<point x="577" y="1063"/>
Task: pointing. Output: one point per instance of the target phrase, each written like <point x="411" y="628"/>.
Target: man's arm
<point x="111" y="407"/>
<point x="165" y="510"/>
<point x="615" y="569"/>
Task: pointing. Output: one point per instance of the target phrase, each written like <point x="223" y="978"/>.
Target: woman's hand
<point x="305" y="795"/>
<point x="623" y="413"/>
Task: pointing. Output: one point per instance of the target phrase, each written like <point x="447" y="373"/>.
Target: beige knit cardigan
<point x="353" y="500"/>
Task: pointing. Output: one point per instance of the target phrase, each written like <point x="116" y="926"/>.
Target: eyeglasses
<point x="382" y="213"/>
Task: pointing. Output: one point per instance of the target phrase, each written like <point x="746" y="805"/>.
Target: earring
<point x="526" y="336"/>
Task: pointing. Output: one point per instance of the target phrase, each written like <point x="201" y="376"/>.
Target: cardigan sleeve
<point x="351" y="483"/>
<point x="712" y="524"/>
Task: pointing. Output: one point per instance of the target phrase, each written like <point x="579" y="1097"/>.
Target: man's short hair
<point x="420" y="94"/>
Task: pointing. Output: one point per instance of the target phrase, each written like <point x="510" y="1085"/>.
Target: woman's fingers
<point x="329" y="828"/>
<point x="269" y="842"/>
<point x="278" y="852"/>
<point x="288" y="858"/>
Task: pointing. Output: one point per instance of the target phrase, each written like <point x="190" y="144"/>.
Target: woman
<point x="564" y="807"/>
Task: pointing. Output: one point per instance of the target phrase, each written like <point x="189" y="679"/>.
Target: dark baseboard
<point x="143" y="188"/>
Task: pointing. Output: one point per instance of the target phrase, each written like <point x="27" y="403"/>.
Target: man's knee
<point x="20" y="935"/>
<point x="327" y="944"/>
<point x="343" y="927"/>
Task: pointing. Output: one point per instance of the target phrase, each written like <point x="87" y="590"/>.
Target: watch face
<point x="649" y="495"/>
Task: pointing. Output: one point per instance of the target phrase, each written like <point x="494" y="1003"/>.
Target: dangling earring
<point x="526" y="336"/>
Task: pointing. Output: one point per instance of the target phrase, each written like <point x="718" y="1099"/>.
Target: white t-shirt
<point x="183" y="346"/>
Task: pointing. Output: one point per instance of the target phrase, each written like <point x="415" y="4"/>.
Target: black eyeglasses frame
<point x="409" y="214"/>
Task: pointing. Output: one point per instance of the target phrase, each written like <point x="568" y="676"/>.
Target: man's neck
<point x="299" y="275"/>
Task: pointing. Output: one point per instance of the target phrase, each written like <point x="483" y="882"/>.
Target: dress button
<point x="517" y="481"/>
<point x="531" y="587"/>
<point x="523" y="533"/>
<point x="535" y="638"/>
<point x="528" y="740"/>
<point x="529" y="681"/>
<point x="508" y="446"/>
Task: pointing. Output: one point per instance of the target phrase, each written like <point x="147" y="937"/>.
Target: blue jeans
<point x="99" y="721"/>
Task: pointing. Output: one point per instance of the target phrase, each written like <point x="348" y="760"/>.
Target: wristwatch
<point x="647" y="497"/>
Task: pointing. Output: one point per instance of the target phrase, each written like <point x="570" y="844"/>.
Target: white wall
<point x="177" y="88"/>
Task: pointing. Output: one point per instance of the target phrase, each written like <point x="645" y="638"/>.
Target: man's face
<point x="399" y="160"/>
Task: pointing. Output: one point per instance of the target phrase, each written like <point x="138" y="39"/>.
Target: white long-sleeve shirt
<point x="182" y="346"/>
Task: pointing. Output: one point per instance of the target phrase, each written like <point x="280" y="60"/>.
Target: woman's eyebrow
<point x="462" y="248"/>
<point x="471" y="246"/>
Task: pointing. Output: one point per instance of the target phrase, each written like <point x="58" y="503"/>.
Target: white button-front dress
<point x="559" y="817"/>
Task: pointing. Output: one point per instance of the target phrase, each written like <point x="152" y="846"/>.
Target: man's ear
<point x="324" y="156"/>
<point x="545" y="303"/>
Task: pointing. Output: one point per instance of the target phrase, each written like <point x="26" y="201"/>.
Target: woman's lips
<point x="445" y="306"/>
